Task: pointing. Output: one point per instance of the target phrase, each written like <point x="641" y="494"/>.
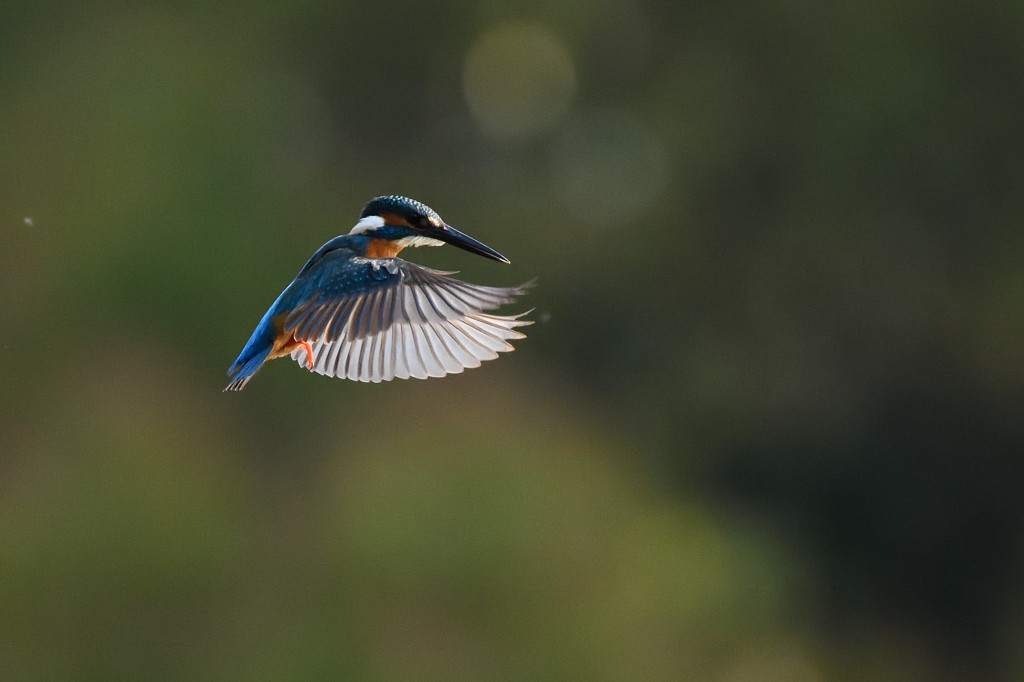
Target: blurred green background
<point x="767" y="427"/>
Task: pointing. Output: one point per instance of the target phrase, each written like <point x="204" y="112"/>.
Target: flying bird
<point x="356" y="311"/>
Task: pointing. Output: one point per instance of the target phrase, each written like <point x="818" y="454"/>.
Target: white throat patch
<point x="419" y="240"/>
<point x="367" y="224"/>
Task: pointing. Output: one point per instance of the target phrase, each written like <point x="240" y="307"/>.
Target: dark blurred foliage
<point x="768" y="425"/>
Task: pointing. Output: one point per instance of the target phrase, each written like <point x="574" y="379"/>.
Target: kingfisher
<point x="356" y="311"/>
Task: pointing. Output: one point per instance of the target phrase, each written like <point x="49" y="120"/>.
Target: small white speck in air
<point x="28" y="221"/>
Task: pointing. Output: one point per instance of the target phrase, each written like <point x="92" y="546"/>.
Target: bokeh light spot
<point x="518" y="80"/>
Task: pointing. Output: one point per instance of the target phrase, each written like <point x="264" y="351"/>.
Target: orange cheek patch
<point x="394" y="219"/>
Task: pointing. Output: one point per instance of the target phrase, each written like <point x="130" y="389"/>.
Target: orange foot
<point x="309" y="352"/>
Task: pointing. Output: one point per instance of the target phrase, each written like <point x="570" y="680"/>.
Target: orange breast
<point x="382" y="248"/>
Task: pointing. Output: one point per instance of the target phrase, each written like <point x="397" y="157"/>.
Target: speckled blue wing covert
<point x="385" y="318"/>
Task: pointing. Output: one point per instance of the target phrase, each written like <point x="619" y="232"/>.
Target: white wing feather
<point x="424" y="325"/>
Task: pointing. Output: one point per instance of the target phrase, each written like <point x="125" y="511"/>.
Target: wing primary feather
<point x="344" y="355"/>
<point x="366" y="359"/>
<point x="328" y="320"/>
<point x="472" y="346"/>
<point x="479" y="298"/>
<point x="376" y="319"/>
<point x="300" y="312"/>
<point x="351" y="359"/>
<point x="413" y="363"/>
<point x="436" y="365"/>
<point x="409" y="308"/>
<point x="486" y="297"/>
<point x="435" y="304"/>
<point x="382" y="315"/>
<point x="322" y="353"/>
<point x="302" y="331"/>
<point x="455" y="347"/>
<point x="387" y="354"/>
<point x="356" y="325"/>
<point x="444" y="354"/>
<point x="442" y="305"/>
<point x="303" y="322"/>
<point x="376" y="357"/>
<point x="439" y="350"/>
<point x="372" y="313"/>
<point x="428" y="363"/>
<point x="400" y="315"/>
<point x="314" y="328"/>
<point x="484" y="335"/>
<point x="383" y="354"/>
<point x="462" y="295"/>
<point x="357" y="362"/>
<point x="487" y="345"/>
<point x="325" y="351"/>
<point x="351" y="329"/>
<point x="506" y="324"/>
<point x="299" y="356"/>
<point x="421" y="308"/>
<point x="362" y="361"/>
<point x="430" y="305"/>
<point x="341" y="317"/>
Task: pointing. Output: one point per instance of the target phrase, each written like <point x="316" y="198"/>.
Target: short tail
<point x="245" y="369"/>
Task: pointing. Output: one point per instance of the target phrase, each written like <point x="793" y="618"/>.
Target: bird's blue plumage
<point x="336" y="268"/>
<point x="376" y="318"/>
<point x="255" y="353"/>
<point x="259" y="346"/>
<point x="397" y="204"/>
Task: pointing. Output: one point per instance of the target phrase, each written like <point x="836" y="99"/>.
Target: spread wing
<point x="385" y="318"/>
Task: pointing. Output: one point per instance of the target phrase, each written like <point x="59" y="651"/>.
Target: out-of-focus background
<point x="768" y="425"/>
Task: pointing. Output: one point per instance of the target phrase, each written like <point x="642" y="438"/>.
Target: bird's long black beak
<point x="447" y="233"/>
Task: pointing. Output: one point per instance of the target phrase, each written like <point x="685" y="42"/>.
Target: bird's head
<point x="410" y="223"/>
